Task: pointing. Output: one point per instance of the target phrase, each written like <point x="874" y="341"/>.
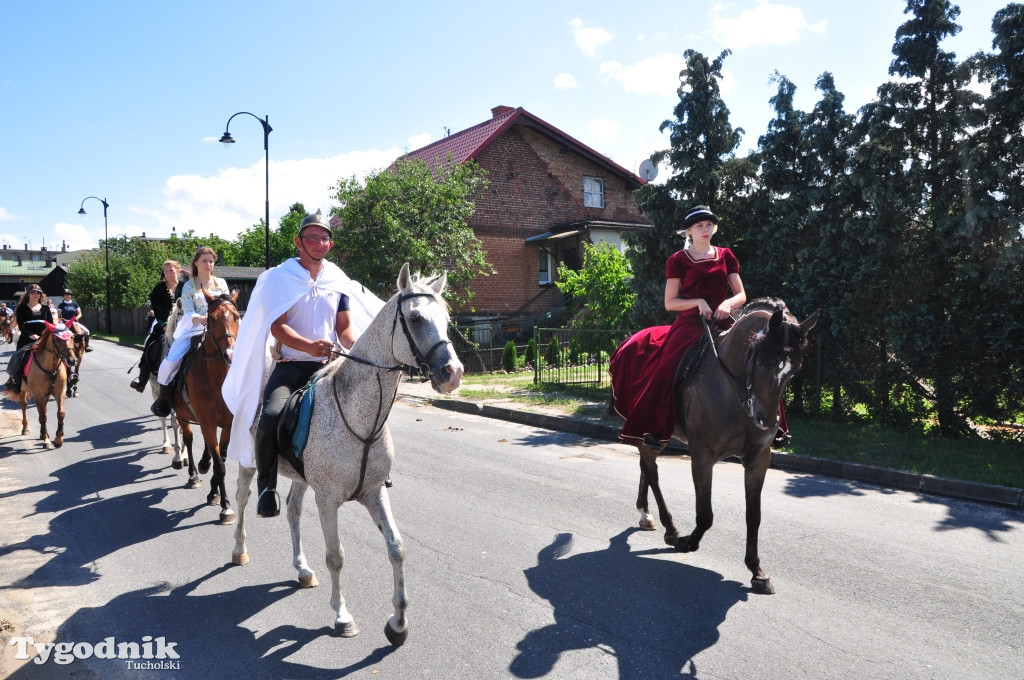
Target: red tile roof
<point x="469" y="143"/>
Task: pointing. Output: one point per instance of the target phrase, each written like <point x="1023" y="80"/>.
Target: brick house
<point x="548" y="194"/>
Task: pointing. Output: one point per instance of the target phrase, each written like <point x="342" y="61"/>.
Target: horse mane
<point x="762" y="304"/>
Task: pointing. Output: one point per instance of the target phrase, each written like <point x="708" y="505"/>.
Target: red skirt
<point x="642" y="371"/>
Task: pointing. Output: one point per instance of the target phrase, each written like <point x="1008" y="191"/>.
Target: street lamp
<point x="226" y="139"/>
<point x="106" y="247"/>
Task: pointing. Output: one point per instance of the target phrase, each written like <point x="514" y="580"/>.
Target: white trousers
<point x="169" y="366"/>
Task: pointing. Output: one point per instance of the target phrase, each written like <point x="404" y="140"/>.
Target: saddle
<point x="293" y="425"/>
<point x="153" y="352"/>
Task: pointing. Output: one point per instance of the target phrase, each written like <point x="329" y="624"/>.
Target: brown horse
<point x="6" y="330"/>
<point x="729" y="406"/>
<point x="198" y="400"/>
<point x="52" y="361"/>
<point x="78" y="349"/>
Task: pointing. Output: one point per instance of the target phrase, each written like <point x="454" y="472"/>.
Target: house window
<point x="547" y="268"/>
<point x="593" y="192"/>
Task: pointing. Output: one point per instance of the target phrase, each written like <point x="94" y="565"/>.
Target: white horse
<point x="180" y="459"/>
<point x="349" y="451"/>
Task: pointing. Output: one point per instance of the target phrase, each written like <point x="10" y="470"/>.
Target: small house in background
<point x="548" y="195"/>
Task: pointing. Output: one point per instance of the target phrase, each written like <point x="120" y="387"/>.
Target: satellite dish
<point x="648" y="170"/>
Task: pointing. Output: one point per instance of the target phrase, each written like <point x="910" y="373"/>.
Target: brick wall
<point x="535" y="184"/>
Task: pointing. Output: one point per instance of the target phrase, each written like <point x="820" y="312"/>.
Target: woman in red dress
<point x="702" y="280"/>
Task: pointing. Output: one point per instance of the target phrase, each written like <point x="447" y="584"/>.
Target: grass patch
<point x="975" y="460"/>
<point x="122" y="339"/>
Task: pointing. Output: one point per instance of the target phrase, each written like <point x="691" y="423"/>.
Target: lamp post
<point x="227" y="139"/>
<point x="106" y="247"/>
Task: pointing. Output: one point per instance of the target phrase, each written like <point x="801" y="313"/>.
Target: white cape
<point x="276" y="291"/>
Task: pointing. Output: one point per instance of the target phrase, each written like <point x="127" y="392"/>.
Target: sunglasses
<point x="317" y="239"/>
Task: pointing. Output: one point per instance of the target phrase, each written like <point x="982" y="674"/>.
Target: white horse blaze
<point x="784" y="369"/>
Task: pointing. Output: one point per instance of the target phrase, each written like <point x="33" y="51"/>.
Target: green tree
<point x="919" y="237"/>
<point x="251" y="243"/>
<point x="411" y="213"/>
<point x="600" y="289"/>
<point x="702" y="146"/>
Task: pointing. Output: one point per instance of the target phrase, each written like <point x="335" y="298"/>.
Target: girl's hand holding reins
<point x="704" y="308"/>
<point x="723" y="312"/>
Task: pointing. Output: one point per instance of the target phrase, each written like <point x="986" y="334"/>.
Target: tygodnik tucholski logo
<point x="151" y="653"/>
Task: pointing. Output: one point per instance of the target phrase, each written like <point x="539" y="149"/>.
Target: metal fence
<point x="573" y="356"/>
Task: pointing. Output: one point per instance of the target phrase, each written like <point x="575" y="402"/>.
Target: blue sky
<point x="126" y="100"/>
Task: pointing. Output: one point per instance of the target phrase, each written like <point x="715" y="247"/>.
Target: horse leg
<point x="227" y="515"/>
<point x="239" y="554"/>
<point x="41" y="410"/>
<point x="58" y="439"/>
<point x="702" y="467"/>
<point x="379" y="505"/>
<point x="24" y="409"/>
<point x="204" y="462"/>
<point x="181" y="457"/>
<point x="646" y="519"/>
<point x="753" y="482"/>
<point x="649" y="461"/>
<point x="194" y="481"/>
<point x="210" y="455"/>
<point x="344" y="624"/>
<point x="307" y="579"/>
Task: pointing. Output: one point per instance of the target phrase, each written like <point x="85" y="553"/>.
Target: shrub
<point x="553" y="356"/>
<point x="531" y="352"/>
<point x="508" y="357"/>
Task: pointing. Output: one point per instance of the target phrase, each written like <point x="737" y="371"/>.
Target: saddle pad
<point x="294" y="420"/>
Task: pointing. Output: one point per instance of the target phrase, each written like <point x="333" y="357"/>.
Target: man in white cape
<point x="308" y="305"/>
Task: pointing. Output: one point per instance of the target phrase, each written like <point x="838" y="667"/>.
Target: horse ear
<point x="234" y="295"/>
<point x="808" y="323"/>
<point x="404" y="278"/>
<point x="437" y="285"/>
<point x="776" y="320"/>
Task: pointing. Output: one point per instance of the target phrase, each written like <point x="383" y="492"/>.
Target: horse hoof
<point x="227" y="518"/>
<point x="58" y="443"/>
<point x="240" y="560"/>
<point x="683" y="545"/>
<point x="762" y="586"/>
<point x="213" y="499"/>
<point x="193" y="483"/>
<point x="346" y="630"/>
<point x="393" y="636"/>
<point x="308" y="581"/>
<point x="204" y="466"/>
<point x="648" y="525"/>
<point x="672" y="539"/>
<point x="167" y="449"/>
<point x="176" y="464"/>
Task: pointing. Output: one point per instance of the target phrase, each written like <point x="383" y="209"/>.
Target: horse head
<point x="423" y="314"/>
<point x="59" y="341"/>
<point x="775" y="354"/>
<point x="222" y="319"/>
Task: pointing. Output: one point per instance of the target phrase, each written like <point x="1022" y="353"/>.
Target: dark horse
<point x="197" y="398"/>
<point x="728" y="405"/>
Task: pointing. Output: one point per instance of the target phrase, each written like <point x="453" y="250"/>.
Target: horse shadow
<point x="817" y="486"/>
<point x="993" y="522"/>
<point x="85" y="529"/>
<point x="127" y="432"/>
<point x="182" y="616"/>
<point x="654" y="615"/>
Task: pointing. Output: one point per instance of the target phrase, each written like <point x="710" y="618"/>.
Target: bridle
<point x="62" y="356"/>
<point x="219" y="351"/>
<point x="382" y="415"/>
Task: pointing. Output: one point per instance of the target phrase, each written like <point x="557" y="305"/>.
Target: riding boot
<point x="89" y="349"/>
<point x="139" y="384"/>
<point x="161" y="408"/>
<point x="268" y="503"/>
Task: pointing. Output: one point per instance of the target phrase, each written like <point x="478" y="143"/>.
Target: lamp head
<point x="226" y="138"/>
<point x="81" y="211"/>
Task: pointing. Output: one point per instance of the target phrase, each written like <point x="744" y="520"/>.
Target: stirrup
<point x="273" y="511"/>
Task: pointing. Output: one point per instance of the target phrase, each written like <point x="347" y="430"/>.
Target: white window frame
<point x="593" y="192"/>
<point x="545" y="278"/>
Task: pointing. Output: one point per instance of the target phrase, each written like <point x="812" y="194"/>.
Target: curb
<point x="991" y="494"/>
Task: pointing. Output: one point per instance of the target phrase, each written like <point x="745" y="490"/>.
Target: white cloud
<point x="417" y="141"/>
<point x="6" y="216"/>
<point x="657" y="75"/>
<point x="766" y="24"/>
<point x="588" y="39"/>
<point x="566" y="81"/>
<point x="233" y="199"/>
<point x="603" y="128"/>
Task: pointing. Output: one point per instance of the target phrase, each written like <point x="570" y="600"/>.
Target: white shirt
<point x="314" y="316"/>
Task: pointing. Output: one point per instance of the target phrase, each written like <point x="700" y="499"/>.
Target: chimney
<point x="501" y="110"/>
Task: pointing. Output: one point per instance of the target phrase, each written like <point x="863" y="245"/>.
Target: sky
<point x="126" y="101"/>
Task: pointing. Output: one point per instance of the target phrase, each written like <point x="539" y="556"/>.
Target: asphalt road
<point x="523" y="561"/>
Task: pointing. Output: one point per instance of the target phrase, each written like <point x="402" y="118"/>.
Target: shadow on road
<point x="210" y="641"/>
<point x="653" y="615"/>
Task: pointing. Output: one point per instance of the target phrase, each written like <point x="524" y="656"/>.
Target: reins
<point x="749" y="363"/>
<point x="60" y="358"/>
<point x="423" y="370"/>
